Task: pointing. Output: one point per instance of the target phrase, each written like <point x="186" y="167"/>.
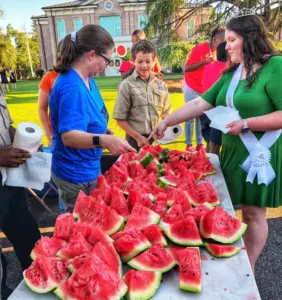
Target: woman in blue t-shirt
<point x="78" y="114"/>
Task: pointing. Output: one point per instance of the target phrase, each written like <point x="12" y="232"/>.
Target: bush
<point x="39" y="73"/>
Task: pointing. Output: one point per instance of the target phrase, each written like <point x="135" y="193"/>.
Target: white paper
<point x="220" y="116"/>
<point x="171" y="134"/>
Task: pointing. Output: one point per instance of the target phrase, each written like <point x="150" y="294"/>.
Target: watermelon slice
<point x="199" y="211"/>
<point x="156" y="259"/>
<point x="97" y="235"/>
<point x="173" y="251"/>
<point x="130" y="243"/>
<point x="104" y="189"/>
<point x="145" y="158"/>
<point x="142" y="284"/>
<point x="220" y="226"/>
<point x="107" y="253"/>
<point x="154" y="235"/>
<point x="174" y="215"/>
<point x="184" y="232"/>
<point x="168" y="180"/>
<point x="64" y="226"/>
<point x="204" y="166"/>
<point x="203" y="192"/>
<point x="156" y="167"/>
<point x="82" y="204"/>
<point x="136" y="170"/>
<point x="84" y="229"/>
<point x="160" y="205"/>
<point x="118" y="173"/>
<point x="217" y="250"/>
<point x="47" y="246"/>
<point x="181" y="197"/>
<point x="118" y="203"/>
<point x="164" y="155"/>
<point x="190" y="269"/>
<point x="45" y="274"/>
<point x="77" y="245"/>
<point x="135" y="197"/>
<point x="78" y="261"/>
<point x="141" y="217"/>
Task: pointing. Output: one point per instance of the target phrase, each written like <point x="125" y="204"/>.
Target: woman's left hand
<point x="235" y="127"/>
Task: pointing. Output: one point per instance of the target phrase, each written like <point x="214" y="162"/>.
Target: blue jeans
<point x="189" y="95"/>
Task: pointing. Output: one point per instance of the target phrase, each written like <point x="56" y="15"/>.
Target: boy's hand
<point x="141" y="141"/>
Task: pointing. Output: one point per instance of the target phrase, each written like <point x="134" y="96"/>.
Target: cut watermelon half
<point x="45" y="274"/>
<point x="156" y="259"/>
<point x="141" y="217"/>
<point x="47" y="246"/>
<point x="184" y="232"/>
<point x="64" y="226"/>
<point x="217" y="250"/>
<point x="142" y="284"/>
<point x="154" y="235"/>
<point x="199" y="211"/>
<point x="203" y="192"/>
<point x="220" y="226"/>
<point x="130" y="243"/>
<point x="190" y="269"/>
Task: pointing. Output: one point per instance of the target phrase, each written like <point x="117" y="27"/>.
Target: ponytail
<point x="89" y="37"/>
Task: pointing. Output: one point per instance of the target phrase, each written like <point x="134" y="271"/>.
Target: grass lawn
<point x="22" y="104"/>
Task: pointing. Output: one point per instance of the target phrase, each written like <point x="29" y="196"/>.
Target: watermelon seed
<point x="248" y="275"/>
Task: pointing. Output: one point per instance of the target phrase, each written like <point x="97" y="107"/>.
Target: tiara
<point x="242" y="13"/>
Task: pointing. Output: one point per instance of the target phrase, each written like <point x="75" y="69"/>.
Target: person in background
<point x="4" y="80"/>
<point x="13" y="80"/>
<point x="143" y="99"/>
<point x="127" y="67"/>
<point x="45" y="88"/>
<point x="79" y="116"/>
<point x="211" y="74"/>
<point x="201" y="56"/>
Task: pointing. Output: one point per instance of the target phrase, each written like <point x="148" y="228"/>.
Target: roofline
<point x="39" y="17"/>
<point x="68" y="6"/>
<point x="144" y="2"/>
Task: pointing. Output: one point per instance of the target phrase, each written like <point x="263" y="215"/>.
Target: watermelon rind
<point x="226" y="253"/>
<point x="163" y="182"/>
<point x="136" y="251"/>
<point x="147" y="293"/>
<point x="184" y="242"/>
<point x="146" y="160"/>
<point x="60" y="293"/>
<point x="50" y="287"/>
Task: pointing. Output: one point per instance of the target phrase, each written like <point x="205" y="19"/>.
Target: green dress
<point x="264" y="97"/>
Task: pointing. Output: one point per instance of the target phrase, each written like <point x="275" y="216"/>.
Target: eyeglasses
<point x="108" y="61"/>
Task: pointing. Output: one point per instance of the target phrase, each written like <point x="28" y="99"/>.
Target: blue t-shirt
<point x="75" y="107"/>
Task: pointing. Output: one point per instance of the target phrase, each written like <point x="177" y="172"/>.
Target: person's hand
<point x="109" y="131"/>
<point x="141" y="141"/>
<point x="235" y="127"/>
<point x="115" y="144"/>
<point x="159" y="75"/>
<point x="11" y="157"/>
<point x="158" y="131"/>
<point x="209" y="60"/>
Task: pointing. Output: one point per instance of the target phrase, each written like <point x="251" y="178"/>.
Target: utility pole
<point x="28" y="52"/>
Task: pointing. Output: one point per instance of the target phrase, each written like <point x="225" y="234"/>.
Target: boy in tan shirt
<point x="143" y="99"/>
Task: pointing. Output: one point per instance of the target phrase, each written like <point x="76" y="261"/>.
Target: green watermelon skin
<point x="190" y="269"/>
<point x="217" y="250"/>
<point x="142" y="285"/>
<point x="220" y="226"/>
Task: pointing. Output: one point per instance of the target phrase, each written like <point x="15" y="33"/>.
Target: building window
<point x="77" y="22"/>
<point x="142" y="21"/>
<point x="61" y="29"/>
<point x="190" y="28"/>
<point x="112" y="25"/>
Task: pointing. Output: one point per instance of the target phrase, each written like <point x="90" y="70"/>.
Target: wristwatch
<point x="96" y="140"/>
<point x="246" y="127"/>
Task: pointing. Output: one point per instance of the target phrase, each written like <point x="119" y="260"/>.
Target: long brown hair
<point x="89" y="37"/>
<point x="257" y="47"/>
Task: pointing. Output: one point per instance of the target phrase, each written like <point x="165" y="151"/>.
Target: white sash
<point x="258" y="162"/>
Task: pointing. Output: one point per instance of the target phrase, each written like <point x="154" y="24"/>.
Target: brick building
<point x="119" y="17"/>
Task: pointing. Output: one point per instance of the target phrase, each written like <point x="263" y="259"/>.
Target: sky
<point x="19" y="12"/>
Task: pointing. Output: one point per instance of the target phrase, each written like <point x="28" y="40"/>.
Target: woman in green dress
<point x="258" y="98"/>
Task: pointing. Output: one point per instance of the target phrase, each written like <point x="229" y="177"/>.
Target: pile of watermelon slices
<point x="149" y="211"/>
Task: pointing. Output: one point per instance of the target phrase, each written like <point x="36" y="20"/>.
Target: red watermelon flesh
<point x="204" y="192"/>
<point x="171" y="194"/>
<point x="135" y="198"/>
<point x="127" y="157"/>
<point x="142" y="284"/>
<point x="174" y="214"/>
<point x="97" y="235"/>
<point x="141" y="217"/>
<point x="173" y="251"/>
<point x="154" y="235"/>
<point x="190" y="269"/>
<point x="182" y="199"/>
<point x="220" y="226"/>
<point x="47" y="246"/>
<point x="133" y="186"/>
<point x="222" y="250"/>
<point x="82" y="228"/>
<point x="204" y="166"/>
<point x="82" y="205"/>
<point x="199" y="211"/>
<point x="130" y="243"/>
<point x="184" y="232"/>
<point x="45" y="274"/>
<point x="156" y="259"/>
<point x="117" y="173"/>
<point x="78" y="261"/>
<point x="136" y="170"/>
<point x="104" y="188"/>
<point x="64" y="226"/>
<point x="118" y="203"/>
<point x="160" y="205"/>
<point x="77" y="245"/>
<point x="107" y="253"/>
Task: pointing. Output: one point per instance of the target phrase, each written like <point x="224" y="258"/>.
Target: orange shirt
<point x="48" y="81"/>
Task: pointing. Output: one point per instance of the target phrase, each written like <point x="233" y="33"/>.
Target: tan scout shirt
<point x="142" y="104"/>
<point x="5" y="122"/>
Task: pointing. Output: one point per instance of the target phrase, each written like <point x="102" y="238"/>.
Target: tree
<point x="168" y="15"/>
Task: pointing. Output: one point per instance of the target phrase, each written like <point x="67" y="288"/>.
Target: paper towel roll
<point x="28" y="137"/>
<point x="171" y="134"/>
